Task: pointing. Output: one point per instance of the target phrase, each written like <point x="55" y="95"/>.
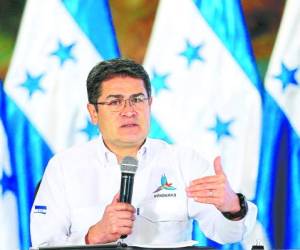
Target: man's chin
<point x="132" y="141"/>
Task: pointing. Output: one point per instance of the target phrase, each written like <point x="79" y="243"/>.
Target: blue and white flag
<point x="43" y="106"/>
<point x="278" y="189"/>
<point x="206" y="85"/>
<point x="8" y="201"/>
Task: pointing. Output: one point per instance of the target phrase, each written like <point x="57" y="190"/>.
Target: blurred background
<point x="133" y="21"/>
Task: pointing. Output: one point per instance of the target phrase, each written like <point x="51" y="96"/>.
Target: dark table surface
<point x="117" y="247"/>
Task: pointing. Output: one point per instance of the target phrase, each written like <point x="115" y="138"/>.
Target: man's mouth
<point x="129" y="125"/>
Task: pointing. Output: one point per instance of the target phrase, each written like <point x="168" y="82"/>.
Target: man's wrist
<point x="241" y="213"/>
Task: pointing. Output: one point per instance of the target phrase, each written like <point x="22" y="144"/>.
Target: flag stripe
<point x="273" y="123"/>
<point x="280" y="178"/>
<point x="292" y="234"/>
<point x="265" y="185"/>
<point x="216" y="16"/>
<point x="94" y="19"/>
<point x="27" y="165"/>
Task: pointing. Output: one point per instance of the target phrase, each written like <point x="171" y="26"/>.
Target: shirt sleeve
<point x="210" y="220"/>
<point x="50" y="215"/>
<point x="218" y="228"/>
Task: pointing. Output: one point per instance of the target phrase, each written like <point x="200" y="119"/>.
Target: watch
<point x="243" y="211"/>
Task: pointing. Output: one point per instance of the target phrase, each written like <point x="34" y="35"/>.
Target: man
<point x="78" y="200"/>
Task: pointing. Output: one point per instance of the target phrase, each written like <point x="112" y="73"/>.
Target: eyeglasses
<point x="117" y="104"/>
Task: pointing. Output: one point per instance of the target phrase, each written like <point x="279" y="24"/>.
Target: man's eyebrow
<point x="114" y="96"/>
<point x="117" y="96"/>
<point x="138" y="94"/>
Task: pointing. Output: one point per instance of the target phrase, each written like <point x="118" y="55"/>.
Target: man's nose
<point x="128" y="108"/>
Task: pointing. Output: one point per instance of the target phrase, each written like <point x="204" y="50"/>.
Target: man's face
<point x="125" y="126"/>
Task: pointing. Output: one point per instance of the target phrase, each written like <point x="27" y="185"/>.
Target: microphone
<point x="128" y="169"/>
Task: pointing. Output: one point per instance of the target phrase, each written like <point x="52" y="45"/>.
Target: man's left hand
<point x="215" y="190"/>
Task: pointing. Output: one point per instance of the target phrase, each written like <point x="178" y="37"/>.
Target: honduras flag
<point x="278" y="190"/>
<point x="206" y="86"/>
<point x="8" y="199"/>
<point x="43" y="105"/>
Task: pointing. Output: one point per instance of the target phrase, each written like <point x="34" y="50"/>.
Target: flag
<point x="207" y="92"/>
<point x="278" y="187"/>
<point x="43" y="104"/>
<point x="9" y="225"/>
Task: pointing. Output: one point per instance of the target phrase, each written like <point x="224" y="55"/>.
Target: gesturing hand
<point x="215" y="190"/>
<point x="117" y="220"/>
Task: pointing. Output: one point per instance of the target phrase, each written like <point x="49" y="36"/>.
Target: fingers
<point x="123" y="224"/>
<point x="213" y="195"/>
<point x="207" y="183"/>
<point x="118" y="230"/>
<point x="218" y="166"/>
<point x="117" y="220"/>
<point x="214" y="189"/>
<point x="116" y="198"/>
<point x="120" y="222"/>
<point x="108" y="230"/>
<point x="216" y="201"/>
<point x="219" y="177"/>
<point x="208" y="180"/>
<point x="205" y="187"/>
<point x="122" y="215"/>
<point x="197" y="192"/>
<point x="119" y="213"/>
<point x="120" y="206"/>
<point x="209" y="189"/>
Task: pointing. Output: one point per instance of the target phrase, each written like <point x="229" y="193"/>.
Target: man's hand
<point x="215" y="190"/>
<point x="117" y="220"/>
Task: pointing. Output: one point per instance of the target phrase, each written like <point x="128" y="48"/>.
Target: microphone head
<point x="129" y="165"/>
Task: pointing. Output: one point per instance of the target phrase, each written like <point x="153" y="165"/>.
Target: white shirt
<point x="79" y="183"/>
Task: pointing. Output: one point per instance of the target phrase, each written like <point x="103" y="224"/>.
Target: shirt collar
<point x="143" y="150"/>
<point x="110" y="157"/>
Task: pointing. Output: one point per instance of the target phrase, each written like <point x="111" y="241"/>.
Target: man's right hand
<point x="117" y="220"/>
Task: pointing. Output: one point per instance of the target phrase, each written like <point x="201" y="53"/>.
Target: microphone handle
<point x="126" y="187"/>
<point x="126" y="190"/>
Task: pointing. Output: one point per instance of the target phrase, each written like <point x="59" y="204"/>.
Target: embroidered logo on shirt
<point x="40" y="209"/>
<point x="165" y="185"/>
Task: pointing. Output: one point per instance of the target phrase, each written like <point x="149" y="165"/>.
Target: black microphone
<point x="128" y="169"/>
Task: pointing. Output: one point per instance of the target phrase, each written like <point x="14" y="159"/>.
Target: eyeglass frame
<point x="123" y="101"/>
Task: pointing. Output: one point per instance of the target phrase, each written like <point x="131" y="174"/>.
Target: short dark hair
<point x="109" y="69"/>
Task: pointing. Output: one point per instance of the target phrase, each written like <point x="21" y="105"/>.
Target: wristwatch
<point x="243" y="211"/>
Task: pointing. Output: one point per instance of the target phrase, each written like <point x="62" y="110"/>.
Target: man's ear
<point x="150" y="100"/>
<point x="93" y="113"/>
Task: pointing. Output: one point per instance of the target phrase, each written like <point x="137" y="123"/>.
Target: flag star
<point x="287" y="76"/>
<point x="32" y="83"/>
<point x="157" y="131"/>
<point x="191" y="53"/>
<point x="8" y="183"/>
<point x="64" y="52"/>
<point x="158" y="82"/>
<point x="90" y="130"/>
<point x="221" y="128"/>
